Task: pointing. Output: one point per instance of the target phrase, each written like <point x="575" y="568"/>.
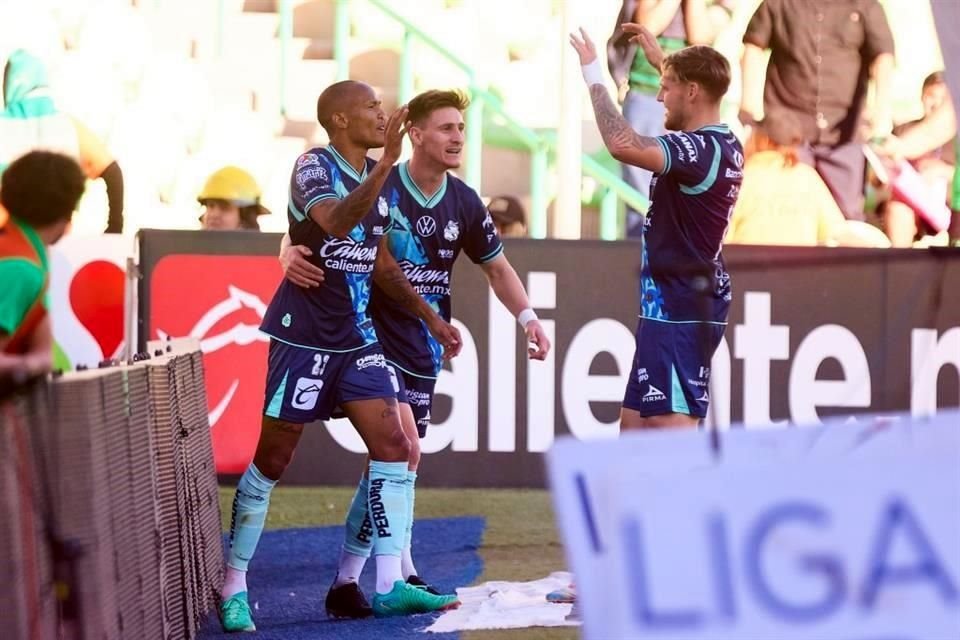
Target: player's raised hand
<point x="447" y="335"/>
<point x="393" y="135"/>
<point x="297" y="269"/>
<point x="584" y="47"/>
<point x="645" y="39"/>
<point x="537" y="337"/>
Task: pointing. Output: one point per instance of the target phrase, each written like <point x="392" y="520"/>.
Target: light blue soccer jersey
<point x="426" y="236"/>
<point x="334" y="315"/>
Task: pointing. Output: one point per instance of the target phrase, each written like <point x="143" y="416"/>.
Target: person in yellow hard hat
<point x="231" y="201"/>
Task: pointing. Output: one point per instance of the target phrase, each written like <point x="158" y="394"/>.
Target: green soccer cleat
<point x="235" y="614"/>
<point x="420" y="583"/>
<point x="405" y="600"/>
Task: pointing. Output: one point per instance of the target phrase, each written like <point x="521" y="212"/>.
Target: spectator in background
<point x="30" y="121"/>
<point x="822" y="55"/>
<point x="926" y="143"/>
<point x="676" y="24"/>
<point x="39" y="191"/>
<point x="782" y="201"/>
<point x="231" y="201"/>
<point x="508" y="216"/>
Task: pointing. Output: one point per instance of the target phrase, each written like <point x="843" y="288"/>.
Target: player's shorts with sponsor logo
<point x="304" y="385"/>
<point x="671" y="367"/>
<point x="417" y="391"/>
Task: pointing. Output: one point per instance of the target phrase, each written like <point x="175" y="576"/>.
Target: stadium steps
<point x="379" y="68"/>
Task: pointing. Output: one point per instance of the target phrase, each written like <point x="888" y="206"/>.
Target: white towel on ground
<point x="508" y="605"/>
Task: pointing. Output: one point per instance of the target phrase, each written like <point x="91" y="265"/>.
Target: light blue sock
<point x="250" y="504"/>
<point x="389" y="511"/>
<point x="411" y="493"/>
<point x="358" y="535"/>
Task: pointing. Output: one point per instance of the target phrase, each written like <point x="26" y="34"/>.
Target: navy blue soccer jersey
<point x="333" y="316"/>
<point x="683" y="277"/>
<point x="426" y="236"/>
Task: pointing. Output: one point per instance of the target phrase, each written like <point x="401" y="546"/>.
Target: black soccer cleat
<point x="420" y="583"/>
<point x="347" y="601"/>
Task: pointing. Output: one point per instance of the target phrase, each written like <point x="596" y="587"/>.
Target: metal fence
<point x="111" y="524"/>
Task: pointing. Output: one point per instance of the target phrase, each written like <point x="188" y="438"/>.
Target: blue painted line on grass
<point x="293" y="568"/>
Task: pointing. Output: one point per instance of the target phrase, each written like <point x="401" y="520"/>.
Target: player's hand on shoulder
<point x="539" y="342"/>
<point x="447" y="335"/>
<point x="297" y="269"/>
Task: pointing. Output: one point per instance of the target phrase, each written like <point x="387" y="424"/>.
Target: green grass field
<point x="520" y="542"/>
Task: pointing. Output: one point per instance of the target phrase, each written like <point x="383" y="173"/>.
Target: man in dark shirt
<point x="822" y="55"/>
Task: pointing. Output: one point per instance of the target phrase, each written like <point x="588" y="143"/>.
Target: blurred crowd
<point x="829" y="159"/>
<point x="825" y="163"/>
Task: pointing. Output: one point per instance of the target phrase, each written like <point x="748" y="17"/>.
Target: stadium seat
<point x="314" y="19"/>
<point x="261" y="6"/>
<point x="380" y="68"/>
<point x="305" y="80"/>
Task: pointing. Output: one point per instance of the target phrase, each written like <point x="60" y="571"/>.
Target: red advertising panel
<point x="220" y="300"/>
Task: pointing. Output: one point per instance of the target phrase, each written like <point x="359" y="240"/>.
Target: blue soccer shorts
<point x="304" y="385"/>
<point x="416" y="391"/>
<point x="671" y="368"/>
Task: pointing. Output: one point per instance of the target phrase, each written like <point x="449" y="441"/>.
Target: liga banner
<point x="839" y="532"/>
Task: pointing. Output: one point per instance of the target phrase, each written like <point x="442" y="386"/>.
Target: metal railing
<point x="482" y="100"/>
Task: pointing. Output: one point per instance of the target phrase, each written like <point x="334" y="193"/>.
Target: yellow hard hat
<point x="232" y="184"/>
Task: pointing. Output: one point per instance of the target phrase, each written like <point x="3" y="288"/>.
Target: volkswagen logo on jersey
<point x="452" y="231"/>
<point x="426" y="226"/>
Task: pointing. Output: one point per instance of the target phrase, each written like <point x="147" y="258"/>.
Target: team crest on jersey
<point x="452" y="231"/>
<point x="488" y="221"/>
<point x="738" y="159"/>
<point x="307" y="159"/>
<point x="382" y="207"/>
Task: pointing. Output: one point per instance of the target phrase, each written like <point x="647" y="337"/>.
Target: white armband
<point x="592" y="73"/>
<point x="526" y="316"/>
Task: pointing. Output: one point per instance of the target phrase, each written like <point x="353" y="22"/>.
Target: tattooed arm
<point x="388" y="275"/>
<point x="339" y="217"/>
<point x="624" y="144"/>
